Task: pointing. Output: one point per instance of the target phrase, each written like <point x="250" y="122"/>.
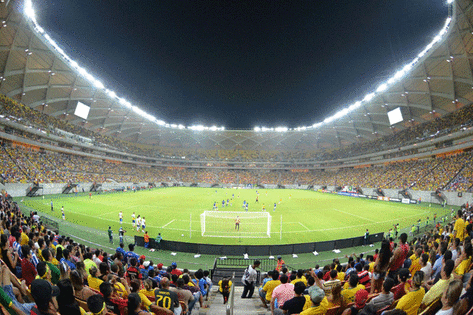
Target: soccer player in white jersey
<point x="143" y="225"/>
<point x="138" y="223"/>
<point x="120" y="216"/>
<point x="133" y="219"/>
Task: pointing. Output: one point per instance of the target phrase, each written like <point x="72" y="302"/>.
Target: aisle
<point x="251" y="306"/>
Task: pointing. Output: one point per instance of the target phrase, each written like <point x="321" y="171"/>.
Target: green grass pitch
<point x="307" y="216"/>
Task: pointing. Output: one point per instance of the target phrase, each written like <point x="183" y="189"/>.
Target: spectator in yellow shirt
<point x="462" y="264"/>
<point x="351" y="287"/>
<point x="415" y="265"/>
<point x="267" y="292"/>
<point x="459" y="228"/>
<point x="24" y="238"/>
<point x="316" y="296"/>
<point x="435" y="291"/>
<point x="341" y="274"/>
<point x="299" y="277"/>
<point x="93" y="280"/>
<point x="410" y="302"/>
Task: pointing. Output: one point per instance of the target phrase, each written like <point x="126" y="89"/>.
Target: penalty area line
<point x="304" y="226"/>
<point x="168" y="223"/>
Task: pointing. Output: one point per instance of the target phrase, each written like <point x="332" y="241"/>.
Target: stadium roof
<point x="35" y="70"/>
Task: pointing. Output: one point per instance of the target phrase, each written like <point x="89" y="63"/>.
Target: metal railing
<point x="266" y="263"/>
<point x="231" y="298"/>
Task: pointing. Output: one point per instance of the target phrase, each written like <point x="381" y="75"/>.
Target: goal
<point x="222" y="224"/>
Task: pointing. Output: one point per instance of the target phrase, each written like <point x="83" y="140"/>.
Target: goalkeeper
<point x="237" y="223"/>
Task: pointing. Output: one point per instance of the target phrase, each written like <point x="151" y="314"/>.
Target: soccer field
<point x="300" y="216"/>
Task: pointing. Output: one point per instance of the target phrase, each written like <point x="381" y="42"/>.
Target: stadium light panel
<point x="82" y="110"/>
<point x="395" y="116"/>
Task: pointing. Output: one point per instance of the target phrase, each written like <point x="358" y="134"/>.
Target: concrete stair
<point x="251" y="306"/>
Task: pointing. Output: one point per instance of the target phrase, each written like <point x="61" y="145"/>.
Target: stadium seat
<point x="3" y="310"/>
<point x="162" y="312"/>
<point x="389" y="307"/>
<point x="83" y="304"/>
<point x="432" y="308"/>
<point x="333" y="310"/>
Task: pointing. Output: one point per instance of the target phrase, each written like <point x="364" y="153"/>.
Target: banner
<point x="404" y="200"/>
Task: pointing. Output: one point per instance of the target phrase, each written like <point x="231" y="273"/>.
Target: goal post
<point x="222" y="224"/>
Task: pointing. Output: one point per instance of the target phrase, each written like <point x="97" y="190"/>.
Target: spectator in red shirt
<point x="400" y="289"/>
<point x="363" y="276"/>
<point x="327" y="274"/>
<point x="133" y="272"/>
<point x="398" y="257"/>
<point x="114" y="304"/>
<point x="175" y="271"/>
<point x="28" y="271"/>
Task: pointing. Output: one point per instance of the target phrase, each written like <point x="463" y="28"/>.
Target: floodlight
<point x="395" y="116"/>
<point x="281" y="129"/>
<point x="82" y="110"/>
<point x="382" y="87"/>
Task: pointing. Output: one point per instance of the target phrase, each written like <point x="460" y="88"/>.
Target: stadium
<point x="83" y="168"/>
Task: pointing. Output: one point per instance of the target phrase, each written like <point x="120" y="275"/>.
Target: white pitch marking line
<point x="304" y="226"/>
<point x="355" y="215"/>
<point x="106" y="213"/>
<point x="354" y="226"/>
<point x="169" y="223"/>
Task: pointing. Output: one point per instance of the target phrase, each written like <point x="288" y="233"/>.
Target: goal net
<point x="223" y="224"/>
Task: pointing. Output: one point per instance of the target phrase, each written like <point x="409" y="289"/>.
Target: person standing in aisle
<point x="249" y="279"/>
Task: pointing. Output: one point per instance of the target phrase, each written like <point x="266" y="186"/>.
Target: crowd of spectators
<point x="440" y="126"/>
<point x="431" y="272"/>
<point x="21" y="164"/>
<point x="45" y="273"/>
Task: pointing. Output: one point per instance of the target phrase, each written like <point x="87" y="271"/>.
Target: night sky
<point x="240" y="64"/>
